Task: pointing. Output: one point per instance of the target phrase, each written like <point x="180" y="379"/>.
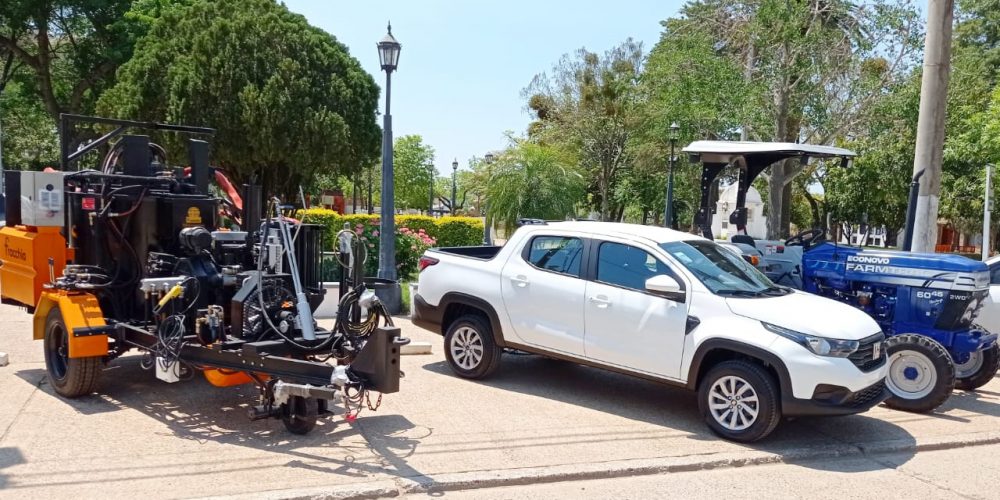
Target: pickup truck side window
<point x="559" y="254"/>
<point x="627" y="266"/>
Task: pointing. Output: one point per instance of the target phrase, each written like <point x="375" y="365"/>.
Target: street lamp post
<point x="454" y="185"/>
<point x="486" y="218"/>
<point x="668" y="212"/>
<point x="388" y="53"/>
<point x="430" y="206"/>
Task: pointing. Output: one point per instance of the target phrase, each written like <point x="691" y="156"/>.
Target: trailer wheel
<point x="299" y="414"/>
<point x="470" y="349"/>
<point x="739" y="400"/>
<point x="980" y="368"/>
<point x="921" y="373"/>
<point x="70" y="377"/>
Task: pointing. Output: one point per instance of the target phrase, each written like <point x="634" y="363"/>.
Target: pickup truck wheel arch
<point x="455" y="305"/>
<point x="714" y="351"/>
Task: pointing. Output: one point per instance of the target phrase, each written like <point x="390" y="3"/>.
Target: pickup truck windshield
<point x="721" y="271"/>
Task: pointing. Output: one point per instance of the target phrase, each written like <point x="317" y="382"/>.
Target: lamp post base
<point x="391" y="296"/>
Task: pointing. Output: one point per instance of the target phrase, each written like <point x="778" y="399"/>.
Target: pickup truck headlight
<point x="834" y="348"/>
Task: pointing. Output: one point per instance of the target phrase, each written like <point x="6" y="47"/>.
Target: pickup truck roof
<point x="653" y="233"/>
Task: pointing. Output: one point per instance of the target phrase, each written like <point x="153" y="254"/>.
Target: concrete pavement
<point x="536" y="421"/>
<point x="950" y="474"/>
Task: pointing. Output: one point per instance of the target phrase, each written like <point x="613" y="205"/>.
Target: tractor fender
<point x="82" y="313"/>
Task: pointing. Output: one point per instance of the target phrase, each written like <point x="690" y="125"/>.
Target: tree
<point x="413" y="169"/>
<point x="588" y="104"/>
<point x="286" y="98"/>
<point x="65" y="52"/>
<point x="533" y="180"/>
<point x="876" y="186"/>
<point x="805" y="62"/>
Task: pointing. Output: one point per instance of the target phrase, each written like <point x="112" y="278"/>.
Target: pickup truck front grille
<point x="864" y="358"/>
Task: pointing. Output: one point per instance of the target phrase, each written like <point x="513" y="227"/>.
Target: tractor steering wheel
<point x="807" y="238"/>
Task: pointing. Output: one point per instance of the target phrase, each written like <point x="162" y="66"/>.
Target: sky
<point x="464" y="63"/>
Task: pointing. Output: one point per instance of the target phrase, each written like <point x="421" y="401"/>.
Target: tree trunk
<point x="645" y="216"/>
<point x="813" y="207"/>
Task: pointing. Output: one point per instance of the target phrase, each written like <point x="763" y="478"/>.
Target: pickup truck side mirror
<point x="665" y="286"/>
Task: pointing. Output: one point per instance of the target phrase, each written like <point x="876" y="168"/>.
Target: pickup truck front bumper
<point x="830" y="400"/>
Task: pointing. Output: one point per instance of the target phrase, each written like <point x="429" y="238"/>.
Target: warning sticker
<point x="193" y="216"/>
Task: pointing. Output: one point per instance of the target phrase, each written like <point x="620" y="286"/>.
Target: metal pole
<point x="454" y="188"/>
<point x="931" y="121"/>
<point x="387" y="234"/>
<point x="430" y="203"/>
<point x="911" y="212"/>
<point x="987" y="205"/>
<point x="668" y="212"/>
<point x="371" y="200"/>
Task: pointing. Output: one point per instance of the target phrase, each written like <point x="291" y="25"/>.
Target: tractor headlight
<point x="835" y="348"/>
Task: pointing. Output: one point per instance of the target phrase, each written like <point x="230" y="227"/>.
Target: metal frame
<point x="66" y="121"/>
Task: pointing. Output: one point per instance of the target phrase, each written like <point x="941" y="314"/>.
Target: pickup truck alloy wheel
<point x="467" y="348"/>
<point x="921" y="373"/>
<point x="733" y="403"/>
<point x="739" y="400"/>
<point x="470" y="349"/>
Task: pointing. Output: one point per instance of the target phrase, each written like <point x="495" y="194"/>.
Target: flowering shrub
<point x="414" y="235"/>
<point x="410" y="245"/>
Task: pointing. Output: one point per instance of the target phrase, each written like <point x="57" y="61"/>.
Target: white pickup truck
<point x="657" y="304"/>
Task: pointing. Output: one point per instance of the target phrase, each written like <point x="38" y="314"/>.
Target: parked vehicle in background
<point x="657" y="304"/>
<point x="926" y="304"/>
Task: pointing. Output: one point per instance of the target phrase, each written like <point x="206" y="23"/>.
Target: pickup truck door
<point x="543" y="293"/>
<point x="627" y="326"/>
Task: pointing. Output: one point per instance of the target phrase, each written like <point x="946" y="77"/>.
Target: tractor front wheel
<point x="921" y="373"/>
<point x="70" y="377"/>
<point x="979" y="369"/>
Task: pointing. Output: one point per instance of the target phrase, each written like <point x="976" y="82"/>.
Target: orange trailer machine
<point x="133" y="254"/>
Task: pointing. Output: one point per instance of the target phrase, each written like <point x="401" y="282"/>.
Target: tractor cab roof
<point x="754" y="158"/>
<point x="727" y="151"/>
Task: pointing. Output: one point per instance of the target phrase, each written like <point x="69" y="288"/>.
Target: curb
<point x="388" y="488"/>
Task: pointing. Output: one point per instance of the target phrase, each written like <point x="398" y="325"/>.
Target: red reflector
<point x="88" y="203"/>
<point x="426" y="262"/>
<point x="781" y="249"/>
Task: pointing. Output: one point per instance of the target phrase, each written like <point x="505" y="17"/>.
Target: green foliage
<point x="29" y="135"/>
<point x="286" y="98"/>
<point x="458" y="231"/>
<point x="533" y="180"/>
<point x="413" y="171"/>
<point x="588" y="106"/>
<point x="64" y="53"/>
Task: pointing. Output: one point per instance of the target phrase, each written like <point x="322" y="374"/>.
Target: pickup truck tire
<point x="978" y="370"/>
<point x="921" y="373"/>
<point x="470" y="349"/>
<point x="739" y="401"/>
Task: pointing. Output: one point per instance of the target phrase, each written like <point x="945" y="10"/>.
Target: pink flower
<point x="374" y="233"/>
<point x="371" y="245"/>
<point x="358" y="230"/>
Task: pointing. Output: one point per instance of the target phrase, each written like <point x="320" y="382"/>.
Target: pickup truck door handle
<point x="520" y="280"/>
<point x="600" y="301"/>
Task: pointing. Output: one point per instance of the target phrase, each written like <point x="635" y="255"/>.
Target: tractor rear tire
<point x="979" y="370"/>
<point x="299" y="414"/>
<point x="70" y="377"/>
<point x="921" y="373"/>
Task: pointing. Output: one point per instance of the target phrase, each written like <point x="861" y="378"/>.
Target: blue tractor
<point x="926" y="303"/>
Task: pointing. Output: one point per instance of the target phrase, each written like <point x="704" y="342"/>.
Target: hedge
<point x="447" y="231"/>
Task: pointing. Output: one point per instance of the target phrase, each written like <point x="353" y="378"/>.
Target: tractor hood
<point x="807" y="313"/>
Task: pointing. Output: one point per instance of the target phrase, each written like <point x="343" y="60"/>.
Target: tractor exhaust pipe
<point x="911" y="212"/>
